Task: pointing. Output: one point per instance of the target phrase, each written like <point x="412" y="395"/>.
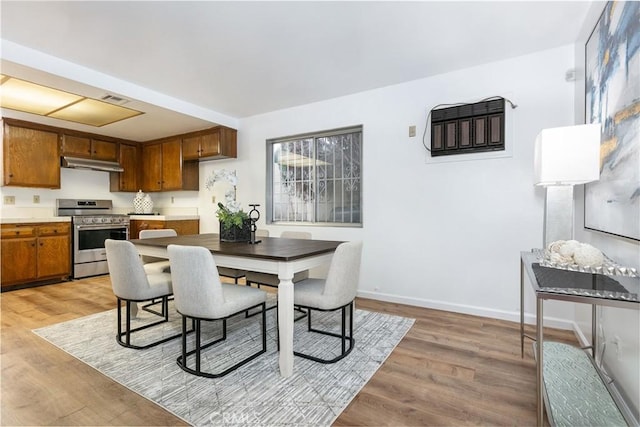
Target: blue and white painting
<point x="612" y="204"/>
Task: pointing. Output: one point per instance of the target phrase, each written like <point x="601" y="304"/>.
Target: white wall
<point x="623" y="363"/>
<point x="448" y="234"/>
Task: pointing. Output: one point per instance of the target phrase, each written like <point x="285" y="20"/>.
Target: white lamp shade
<point x="568" y="155"/>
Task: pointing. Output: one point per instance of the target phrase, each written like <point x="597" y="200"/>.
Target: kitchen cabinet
<point x="215" y="143"/>
<point x="25" y="147"/>
<point x="35" y="253"/>
<point x="163" y="168"/>
<point x="88" y="147"/>
<point x="126" y="180"/>
<point x="182" y="226"/>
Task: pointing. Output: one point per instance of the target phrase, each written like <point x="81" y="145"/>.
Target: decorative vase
<point x="147" y="205"/>
<point x="236" y="234"/>
<point x="138" y="202"/>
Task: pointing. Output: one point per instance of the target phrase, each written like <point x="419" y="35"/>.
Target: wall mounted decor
<point x="468" y="128"/>
<point x="612" y="53"/>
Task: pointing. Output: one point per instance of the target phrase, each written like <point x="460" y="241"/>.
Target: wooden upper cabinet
<point x="89" y="148"/>
<point x="31" y="157"/>
<point x="163" y="168"/>
<point x="152" y="167"/>
<point x="215" y="143"/>
<point x="191" y="148"/>
<point x="172" y="165"/>
<point x="76" y="146"/>
<point x="128" y="179"/>
<point x="104" y="150"/>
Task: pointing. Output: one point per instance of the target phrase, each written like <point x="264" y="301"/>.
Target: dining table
<point x="275" y="255"/>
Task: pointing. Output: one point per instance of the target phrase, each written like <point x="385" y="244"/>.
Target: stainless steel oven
<point x="93" y="222"/>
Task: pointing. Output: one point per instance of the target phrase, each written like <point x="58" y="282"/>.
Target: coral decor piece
<point x="574" y="252"/>
<point x="582" y="257"/>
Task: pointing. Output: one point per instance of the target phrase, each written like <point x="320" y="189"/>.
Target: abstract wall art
<point x="612" y="53"/>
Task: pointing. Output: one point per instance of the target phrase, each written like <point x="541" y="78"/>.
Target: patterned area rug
<point x="254" y="394"/>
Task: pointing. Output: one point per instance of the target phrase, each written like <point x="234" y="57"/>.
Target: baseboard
<point x="513" y="316"/>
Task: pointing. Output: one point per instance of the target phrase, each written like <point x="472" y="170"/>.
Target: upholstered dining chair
<point x="267" y="279"/>
<point x="153" y="264"/>
<point x="199" y="295"/>
<point x="235" y="273"/>
<point x="131" y="284"/>
<point x="336" y="292"/>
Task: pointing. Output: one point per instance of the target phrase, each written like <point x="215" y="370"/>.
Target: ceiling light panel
<point x="94" y="113"/>
<point x="24" y="96"/>
<point x="21" y="95"/>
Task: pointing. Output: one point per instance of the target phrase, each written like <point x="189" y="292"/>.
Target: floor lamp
<point x="564" y="157"/>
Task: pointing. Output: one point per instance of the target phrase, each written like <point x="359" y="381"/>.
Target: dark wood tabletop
<point x="273" y="248"/>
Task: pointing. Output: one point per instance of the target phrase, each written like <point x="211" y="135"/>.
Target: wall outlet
<point x="36" y="198"/>
<point x="172" y="200"/>
<point x="9" y="200"/>
<point x="213" y="199"/>
<point x="412" y="131"/>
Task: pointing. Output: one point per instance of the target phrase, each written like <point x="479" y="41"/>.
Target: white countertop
<point x="31" y="220"/>
<point x="163" y="217"/>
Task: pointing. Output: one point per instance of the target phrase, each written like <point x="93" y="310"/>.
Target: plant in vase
<point x="235" y="225"/>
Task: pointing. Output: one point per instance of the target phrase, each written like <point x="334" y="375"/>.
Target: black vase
<point x="236" y="234"/>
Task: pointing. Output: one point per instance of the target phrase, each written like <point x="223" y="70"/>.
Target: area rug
<point x="254" y="394"/>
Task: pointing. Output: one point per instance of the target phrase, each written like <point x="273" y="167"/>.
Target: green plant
<point x="231" y="219"/>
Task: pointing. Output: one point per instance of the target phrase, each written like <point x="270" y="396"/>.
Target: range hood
<point x="96" y="165"/>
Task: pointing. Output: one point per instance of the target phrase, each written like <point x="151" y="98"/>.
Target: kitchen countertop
<point x="151" y="217"/>
<point x="32" y="220"/>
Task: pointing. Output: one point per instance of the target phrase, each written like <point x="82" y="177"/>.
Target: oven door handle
<point x="102" y="227"/>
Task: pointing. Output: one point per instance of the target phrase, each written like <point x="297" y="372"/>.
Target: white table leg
<point x="285" y="320"/>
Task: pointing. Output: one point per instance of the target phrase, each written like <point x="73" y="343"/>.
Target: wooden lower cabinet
<point x="35" y="253"/>
<point x="182" y="227"/>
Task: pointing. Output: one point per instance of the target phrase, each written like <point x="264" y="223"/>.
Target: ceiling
<point x="190" y="65"/>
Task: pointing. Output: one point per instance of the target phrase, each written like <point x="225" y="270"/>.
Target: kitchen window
<point x="316" y="178"/>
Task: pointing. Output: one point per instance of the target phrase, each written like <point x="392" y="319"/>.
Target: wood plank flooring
<point x="450" y="369"/>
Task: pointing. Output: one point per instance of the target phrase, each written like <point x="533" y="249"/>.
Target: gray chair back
<point x="160" y="232"/>
<point x="295" y="235"/>
<point x="344" y="274"/>
<point x="196" y="284"/>
<point x="128" y="278"/>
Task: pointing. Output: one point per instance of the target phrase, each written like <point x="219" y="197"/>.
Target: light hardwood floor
<point x="450" y="369"/>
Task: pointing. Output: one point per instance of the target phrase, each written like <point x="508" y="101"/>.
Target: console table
<point x="612" y="288"/>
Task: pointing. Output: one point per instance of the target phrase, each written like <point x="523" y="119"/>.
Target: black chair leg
<point x="124" y="337"/>
<point x="344" y="337"/>
<point x="199" y="347"/>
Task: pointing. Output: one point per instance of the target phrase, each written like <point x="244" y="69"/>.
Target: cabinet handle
<point x="33" y="244"/>
<point x="40" y="243"/>
<point x="10" y="175"/>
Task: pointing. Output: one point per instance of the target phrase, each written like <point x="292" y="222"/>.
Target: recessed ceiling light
<point x="21" y="95"/>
